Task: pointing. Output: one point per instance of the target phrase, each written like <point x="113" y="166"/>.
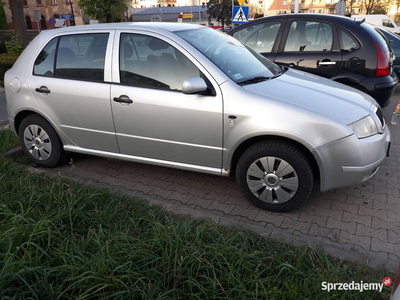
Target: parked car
<point x="380" y="21"/>
<point x="340" y="48"/>
<point x="190" y="97"/>
<point x="394" y="43"/>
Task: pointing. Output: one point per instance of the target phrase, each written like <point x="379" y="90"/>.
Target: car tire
<point x="275" y="175"/>
<point x="40" y="142"/>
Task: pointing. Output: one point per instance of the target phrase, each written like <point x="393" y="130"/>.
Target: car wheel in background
<point x="275" y="175"/>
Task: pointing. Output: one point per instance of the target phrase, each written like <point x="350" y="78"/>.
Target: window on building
<point x="53" y="2"/>
<point x="25" y="3"/>
<point x="284" y="2"/>
<point x="39" y="2"/>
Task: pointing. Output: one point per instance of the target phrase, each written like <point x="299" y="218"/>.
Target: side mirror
<point x="194" y="85"/>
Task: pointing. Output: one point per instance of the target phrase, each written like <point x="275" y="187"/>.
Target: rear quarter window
<point x="348" y="42"/>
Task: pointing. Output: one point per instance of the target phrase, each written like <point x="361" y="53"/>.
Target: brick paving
<point x="360" y="223"/>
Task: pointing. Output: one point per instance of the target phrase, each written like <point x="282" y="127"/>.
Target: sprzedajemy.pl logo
<point x="355" y="286"/>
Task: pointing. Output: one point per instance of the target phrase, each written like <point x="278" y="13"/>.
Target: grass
<point x="62" y="240"/>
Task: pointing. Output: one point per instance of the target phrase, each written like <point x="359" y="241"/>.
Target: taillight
<point x="382" y="65"/>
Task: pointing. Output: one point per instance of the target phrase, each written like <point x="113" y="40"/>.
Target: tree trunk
<point x="17" y="10"/>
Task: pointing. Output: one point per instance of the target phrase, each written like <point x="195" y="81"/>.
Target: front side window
<point x="79" y="57"/>
<point x="309" y="36"/>
<point x="259" y="37"/>
<point x="149" y="62"/>
<point x="387" y="23"/>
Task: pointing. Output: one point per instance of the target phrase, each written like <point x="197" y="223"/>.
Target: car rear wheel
<point x="275" y="175"/>
<point x="40" y="142"/>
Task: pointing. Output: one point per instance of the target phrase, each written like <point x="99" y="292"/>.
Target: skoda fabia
<point x="190" y="97"/>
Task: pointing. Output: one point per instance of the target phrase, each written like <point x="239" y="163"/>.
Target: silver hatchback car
<point x="190" y="97"/>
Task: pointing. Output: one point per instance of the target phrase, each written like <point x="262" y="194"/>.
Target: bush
<point x="14" y="46"/>
<point x="6" y="62"/>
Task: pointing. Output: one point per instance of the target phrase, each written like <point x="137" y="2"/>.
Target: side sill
<point x="152" y="161"/>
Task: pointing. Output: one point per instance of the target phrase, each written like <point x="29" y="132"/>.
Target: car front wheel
<point x="40" y="142"/>
<point x="275" y="175"/>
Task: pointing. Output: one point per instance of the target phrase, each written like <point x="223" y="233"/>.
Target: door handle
<point x="43" y="90"/>
<point x="123" y="99"/>
<point x="326" y="63"/>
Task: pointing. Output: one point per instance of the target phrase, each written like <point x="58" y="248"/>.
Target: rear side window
<point x="79" y="57"/>
<point x="309" y="36"/>
<point x="259" y="37"/>
<point x="347" y="41"/>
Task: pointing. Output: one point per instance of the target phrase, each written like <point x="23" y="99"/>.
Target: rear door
<point x="71" y="81"/>
<point x="311" y="46"/>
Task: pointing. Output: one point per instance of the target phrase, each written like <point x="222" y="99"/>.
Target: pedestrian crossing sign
<point x="240" y="14"/>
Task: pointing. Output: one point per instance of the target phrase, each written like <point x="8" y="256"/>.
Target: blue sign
<point x="66" y="16"/>
<point x="240" y="14"/>
<point x="52" y="21"/>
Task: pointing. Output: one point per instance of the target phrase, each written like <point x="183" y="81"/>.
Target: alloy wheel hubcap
<point x="37" y="142"/>
<point x="272" y="180"/>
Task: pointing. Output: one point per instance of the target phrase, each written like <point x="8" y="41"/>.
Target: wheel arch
<point x="251" y="141"/>
<point x="22" y="115"/>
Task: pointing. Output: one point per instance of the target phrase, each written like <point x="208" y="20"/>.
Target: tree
<point x="17" y="11"/>
<point x="376" y="6"/>
<point x="221" y="10"/>
<point x="108" y="10"/>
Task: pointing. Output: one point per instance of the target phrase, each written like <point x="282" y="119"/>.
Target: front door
<point x="153" y="119"/>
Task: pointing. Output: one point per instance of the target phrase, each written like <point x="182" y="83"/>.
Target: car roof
<point x="332" y="18"/>
<point x="156" y="26"/>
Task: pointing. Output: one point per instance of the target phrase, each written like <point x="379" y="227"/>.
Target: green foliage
<point x="221" y="10"/>
<point x="6" y="62"/>
<point x="104" y="10"/>
<point x="14" y="46"/>
<point x="8" y="140"/>
<point x="62" y="240"/>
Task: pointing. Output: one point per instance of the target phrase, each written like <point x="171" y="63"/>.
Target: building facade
<point x="47" y="14"/>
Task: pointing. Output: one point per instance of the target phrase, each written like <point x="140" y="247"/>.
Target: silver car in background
<point x="190" y="97"/>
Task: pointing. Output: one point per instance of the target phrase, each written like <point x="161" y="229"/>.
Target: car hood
<point x="316" y="93"/>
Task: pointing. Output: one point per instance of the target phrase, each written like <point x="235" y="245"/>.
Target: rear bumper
<point x="381" y="88"/>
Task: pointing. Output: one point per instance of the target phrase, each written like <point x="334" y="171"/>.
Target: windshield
<point x="236" y="60"/>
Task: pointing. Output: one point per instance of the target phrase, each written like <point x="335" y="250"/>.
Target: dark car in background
<point x="340" y="48"/>
<point x="394" y="43"/>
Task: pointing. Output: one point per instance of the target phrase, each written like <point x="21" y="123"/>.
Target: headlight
<point x="365" y="127"/>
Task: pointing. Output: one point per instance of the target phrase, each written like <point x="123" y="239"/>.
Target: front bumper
<point x="350" y="161"/>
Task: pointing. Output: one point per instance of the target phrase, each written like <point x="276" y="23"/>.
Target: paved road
<point x="360" y="223"/>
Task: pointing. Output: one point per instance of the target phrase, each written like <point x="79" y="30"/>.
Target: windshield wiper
<point x="254" y="80"/>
